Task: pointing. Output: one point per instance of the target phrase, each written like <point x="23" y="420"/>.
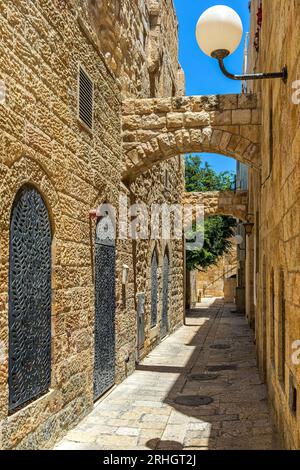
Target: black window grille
<point x="154" y="288"/>
<point x="29" y="299"/>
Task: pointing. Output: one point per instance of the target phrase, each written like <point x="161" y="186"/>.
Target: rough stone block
<point x="241" y="116"/>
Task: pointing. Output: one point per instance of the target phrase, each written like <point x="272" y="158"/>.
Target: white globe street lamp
<point x="219" y="32"/>
<point x="219" y="28"/>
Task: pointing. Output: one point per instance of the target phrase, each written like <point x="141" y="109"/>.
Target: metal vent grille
<point x="85" y="98"/>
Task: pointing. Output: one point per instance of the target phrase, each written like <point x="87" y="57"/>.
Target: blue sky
<point x="202" y="73"/>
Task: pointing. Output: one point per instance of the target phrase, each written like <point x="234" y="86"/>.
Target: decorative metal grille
<point x="29" y="299"/>
<point x="104" y="366"/>
<point x="154" y="288"/>
<point x="165" y="299"/>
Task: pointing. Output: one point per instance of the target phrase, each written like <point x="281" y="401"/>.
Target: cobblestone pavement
<point x="212" y="360"/>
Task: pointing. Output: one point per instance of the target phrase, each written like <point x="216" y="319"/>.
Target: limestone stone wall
<point x="139" y="43"/>
<point x="43" y="144"/>
<point x="275" y="203"/>
<point x="158" y="74"/>
<point x="214" y="282"/>
<point x="232" y="203"/>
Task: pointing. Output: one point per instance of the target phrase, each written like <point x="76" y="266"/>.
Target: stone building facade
<point x="54" y="54"/>
<point x="273" y="254"/>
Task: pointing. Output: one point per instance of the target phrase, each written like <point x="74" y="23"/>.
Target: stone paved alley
<point x="212" y="356"/>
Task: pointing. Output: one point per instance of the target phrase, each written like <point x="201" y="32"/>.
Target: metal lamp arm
<point x="220" y="55"/>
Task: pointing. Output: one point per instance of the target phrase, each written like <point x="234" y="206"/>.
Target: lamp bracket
<point x="221" y="54"/>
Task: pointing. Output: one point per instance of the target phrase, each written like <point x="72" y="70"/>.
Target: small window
<point x="271" y="131"/>
<point x="281" y="330"/>
<point x="293" y="396"/>
<point x="154" y="288"/>
<point x="272" y="318"/>
<point x="85" y="99"/>
<point x="152" y="84"/>
<point x="173" y="90"/>
<point x="166" y="180"/>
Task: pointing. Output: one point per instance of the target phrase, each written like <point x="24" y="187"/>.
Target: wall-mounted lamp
<point x="125" y="274"/>
<point x="219" y="32"/>
<point x="248" y="228"/>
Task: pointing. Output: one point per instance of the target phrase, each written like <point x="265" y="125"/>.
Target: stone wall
<point x="149" y="30"/>
<point x="232" y="203"/>
<point x="211" y="282"/>
<point x="43" y="144"/>
<point x="275" y="203"/>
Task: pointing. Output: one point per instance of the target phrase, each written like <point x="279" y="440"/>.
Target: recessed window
<point x="272" y="318"/>
<point x="271" y="131"/>
<point x="293" y="396"/>
<point x="166" y="180"/>
<point x="85" y="98"/>
<point x="152" y="84"/>
<point x="281" y="330"/>
<point x="154" y="287"/>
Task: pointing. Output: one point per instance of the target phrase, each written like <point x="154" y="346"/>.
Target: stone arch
<point x="27" y="171"/>
<point x="159" y="129"/>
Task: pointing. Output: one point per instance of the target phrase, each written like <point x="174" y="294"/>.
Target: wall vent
<point x="85" y="98"/>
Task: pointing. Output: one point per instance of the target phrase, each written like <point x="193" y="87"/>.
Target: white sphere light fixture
<point x="219" y="32"/>
<point x="219" y="28"/>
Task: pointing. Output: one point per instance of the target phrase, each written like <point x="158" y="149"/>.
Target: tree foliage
<point x="217" y="230"/>
<point x="202" y="177"/>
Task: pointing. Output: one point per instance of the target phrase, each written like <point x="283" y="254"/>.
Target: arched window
<point x="29" y="299"/>
<point x="154" y="287"/>
<point x="165" y="299"/>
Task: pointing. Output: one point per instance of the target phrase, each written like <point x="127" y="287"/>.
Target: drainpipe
<point x="245" y="65"/>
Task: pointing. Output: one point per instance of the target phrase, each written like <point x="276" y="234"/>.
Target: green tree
<point x="202" y="177"/>
<point x="218" y="229"/>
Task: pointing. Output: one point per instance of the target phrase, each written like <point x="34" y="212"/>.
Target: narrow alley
<point x="199" y="389"/>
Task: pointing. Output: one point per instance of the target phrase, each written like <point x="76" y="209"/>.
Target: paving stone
<point x="141" y="413"/>
<point x="127" y="431"/>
